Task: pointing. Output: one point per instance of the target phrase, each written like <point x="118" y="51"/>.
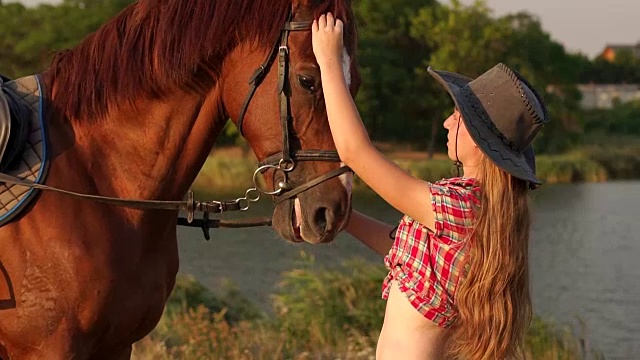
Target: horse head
<point x="274" y="95"/>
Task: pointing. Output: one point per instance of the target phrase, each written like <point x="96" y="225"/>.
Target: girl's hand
<point x="327" y="40"/>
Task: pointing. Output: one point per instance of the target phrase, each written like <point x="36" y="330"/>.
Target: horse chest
<point x="142" y="287"/>
<point x="131" y="308"/>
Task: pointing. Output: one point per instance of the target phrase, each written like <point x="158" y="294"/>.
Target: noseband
<point x="285" y="161"/>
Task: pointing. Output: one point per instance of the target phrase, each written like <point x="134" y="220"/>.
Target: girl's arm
<point x="406" y="334"/>
<point x="371" y="232"/>
<point x="407" y="194"/>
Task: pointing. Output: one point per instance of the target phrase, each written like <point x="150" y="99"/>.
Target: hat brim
<point x="511" y="161"/>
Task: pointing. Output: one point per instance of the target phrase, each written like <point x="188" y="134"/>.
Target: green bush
<point x="569" y="168"/>
<point x="188" y="294"/>
<point x="620" y="162"/>
<point x="325" y="305"/>
<point x="622" y="119"/>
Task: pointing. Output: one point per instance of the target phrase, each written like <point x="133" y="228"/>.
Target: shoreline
<point x="229" y="169"/>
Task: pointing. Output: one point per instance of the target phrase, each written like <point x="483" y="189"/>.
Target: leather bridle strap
<point x="255" y="80"/>
<point x="283" y="88"/>
<point x="304" y="155"/>
<point x="262" y="70"/>
<point x="189" y="205"/>
<point x="297" y="25"/>
<point x="283" y="94"/>
<point x="306" y="186"/>
<point x="220" y="223"/>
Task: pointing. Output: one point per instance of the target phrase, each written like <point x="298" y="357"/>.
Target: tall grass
<point x="574" y="167"/>
<point x="319" y="313"/>
<point x="594" y="163"/>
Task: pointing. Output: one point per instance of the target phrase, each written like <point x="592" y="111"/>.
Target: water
<point x="584" y="260"/>
<point x="583" y="257"/>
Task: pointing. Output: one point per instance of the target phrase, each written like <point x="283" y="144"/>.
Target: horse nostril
<point x="323" y="219"/>
<point x="320" y="218"/>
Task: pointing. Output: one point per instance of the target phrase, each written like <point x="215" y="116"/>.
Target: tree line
<point x="398" y="40"/>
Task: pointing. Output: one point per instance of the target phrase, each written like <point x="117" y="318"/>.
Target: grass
<point x="319" y="313"/>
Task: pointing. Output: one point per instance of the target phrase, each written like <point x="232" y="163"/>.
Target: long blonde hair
<point x="493" y="300"/>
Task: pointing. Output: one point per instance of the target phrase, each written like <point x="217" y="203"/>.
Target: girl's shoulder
<point x="455" y="202"/>
<point x="459" y="182"/>
<point x="457" y="186"/>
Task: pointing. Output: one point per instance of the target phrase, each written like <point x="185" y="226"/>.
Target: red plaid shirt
<point x="428" y="265"/>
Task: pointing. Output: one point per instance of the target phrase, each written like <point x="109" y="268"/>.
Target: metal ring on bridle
<point x="241" y="201"/>
<point x="248" y="199"/>
<point x="255" y="181"/>
<point x="286" y="162"/>
<point x="255" y="198"/>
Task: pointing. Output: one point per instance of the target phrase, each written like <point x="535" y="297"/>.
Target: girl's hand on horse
<point x="327" y="41"/>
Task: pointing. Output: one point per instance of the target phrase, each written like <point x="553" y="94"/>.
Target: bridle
<point x="282" y="162"/>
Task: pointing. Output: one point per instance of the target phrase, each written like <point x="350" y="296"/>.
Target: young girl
<point x="458" y="282"/>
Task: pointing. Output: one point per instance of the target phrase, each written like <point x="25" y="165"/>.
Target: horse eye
<point x="307" y="82"/>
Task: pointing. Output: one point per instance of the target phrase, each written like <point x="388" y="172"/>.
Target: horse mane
<point x="154" y="47"/>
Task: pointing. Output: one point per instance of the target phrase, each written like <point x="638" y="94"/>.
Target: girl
<point x="458" y="281"/>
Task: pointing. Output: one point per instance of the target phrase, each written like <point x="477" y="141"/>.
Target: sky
<point x="585" y="26"/>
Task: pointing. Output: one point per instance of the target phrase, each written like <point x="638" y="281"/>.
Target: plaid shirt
<point x="427" y="265"/>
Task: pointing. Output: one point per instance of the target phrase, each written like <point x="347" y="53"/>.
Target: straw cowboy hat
<point x="503" y="113"/>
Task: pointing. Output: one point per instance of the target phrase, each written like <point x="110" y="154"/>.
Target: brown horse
<point x="132" y="112"/>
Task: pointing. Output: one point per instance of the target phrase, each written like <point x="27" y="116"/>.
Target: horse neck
<point x="154" y="152"/>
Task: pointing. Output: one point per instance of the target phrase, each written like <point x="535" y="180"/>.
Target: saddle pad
<point x="5" y="121"/>
<point x="33" y="164"/>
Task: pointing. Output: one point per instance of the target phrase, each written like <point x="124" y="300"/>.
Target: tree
<point x="12" y="33"/>
<point x="388" y="99"/>
<point x="469" y="41"/>
<point x="29" y="36"/>
<point x="554" y="73"/>
<point x="463" y="39"/>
